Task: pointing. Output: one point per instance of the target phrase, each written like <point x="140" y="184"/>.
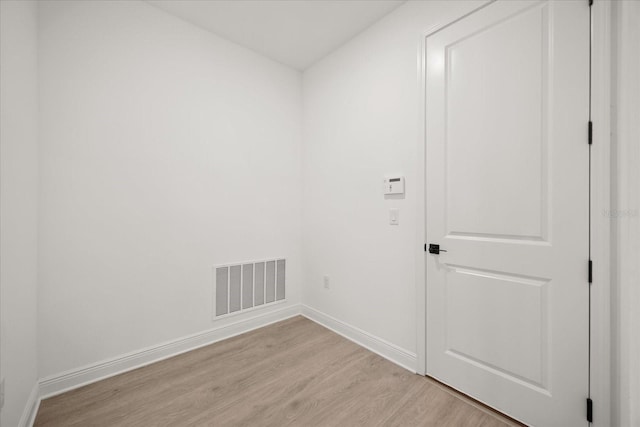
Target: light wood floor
<point x="293" y="373"/>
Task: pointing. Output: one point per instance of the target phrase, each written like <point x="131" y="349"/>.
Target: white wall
<point x="165" y="150"/>
<point x="361" y="107"/>
<point x="18" y="205"/>
<point x="626" y="213"/>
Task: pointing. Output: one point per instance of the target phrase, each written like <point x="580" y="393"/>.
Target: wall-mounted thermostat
<point x="394" y="185"/>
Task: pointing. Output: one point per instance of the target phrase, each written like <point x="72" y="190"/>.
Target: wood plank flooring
<point x="292" y="373"/>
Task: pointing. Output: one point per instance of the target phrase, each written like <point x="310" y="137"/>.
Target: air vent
<point x="246" y="286"/>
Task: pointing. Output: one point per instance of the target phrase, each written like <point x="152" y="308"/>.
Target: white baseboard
<point x="31" y="408"/>
<point x="391" y="352"/>
<point x="73" y="379"/>
<point x="76" y="378"/>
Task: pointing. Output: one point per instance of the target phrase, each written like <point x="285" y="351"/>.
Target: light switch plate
<point x="394" y="216"/>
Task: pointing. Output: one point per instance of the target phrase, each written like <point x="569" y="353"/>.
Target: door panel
<point x="507" y="197"/>
<point x="506" y="339"/>
<point x="494" y="65"/>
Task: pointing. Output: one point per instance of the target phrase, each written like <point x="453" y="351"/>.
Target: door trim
<point x="600" y="369"/>
<point x="421" y="175"/>
<point x="600" y="223"/>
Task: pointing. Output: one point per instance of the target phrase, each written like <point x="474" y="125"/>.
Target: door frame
<point x="600" y="358"/>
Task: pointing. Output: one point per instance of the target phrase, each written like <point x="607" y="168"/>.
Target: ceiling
<point x="296" y="33"/>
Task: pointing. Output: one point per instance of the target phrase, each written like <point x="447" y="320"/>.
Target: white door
<point x="507" y="198"/>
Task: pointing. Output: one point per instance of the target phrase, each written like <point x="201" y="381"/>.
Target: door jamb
<point x="600" y="205"/>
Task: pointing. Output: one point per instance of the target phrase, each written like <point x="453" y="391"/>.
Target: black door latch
<point x="435" y="249"/>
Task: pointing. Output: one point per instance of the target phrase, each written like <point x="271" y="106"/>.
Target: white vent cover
<point x="244" y="286"/>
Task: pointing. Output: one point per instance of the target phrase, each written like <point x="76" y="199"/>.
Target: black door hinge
<point x="589" y="410"/>
<point x="425" y="247"/>
<point x="590" y="271"/>
<point x="590" y="3"/>
<point x="590" y="132"/>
